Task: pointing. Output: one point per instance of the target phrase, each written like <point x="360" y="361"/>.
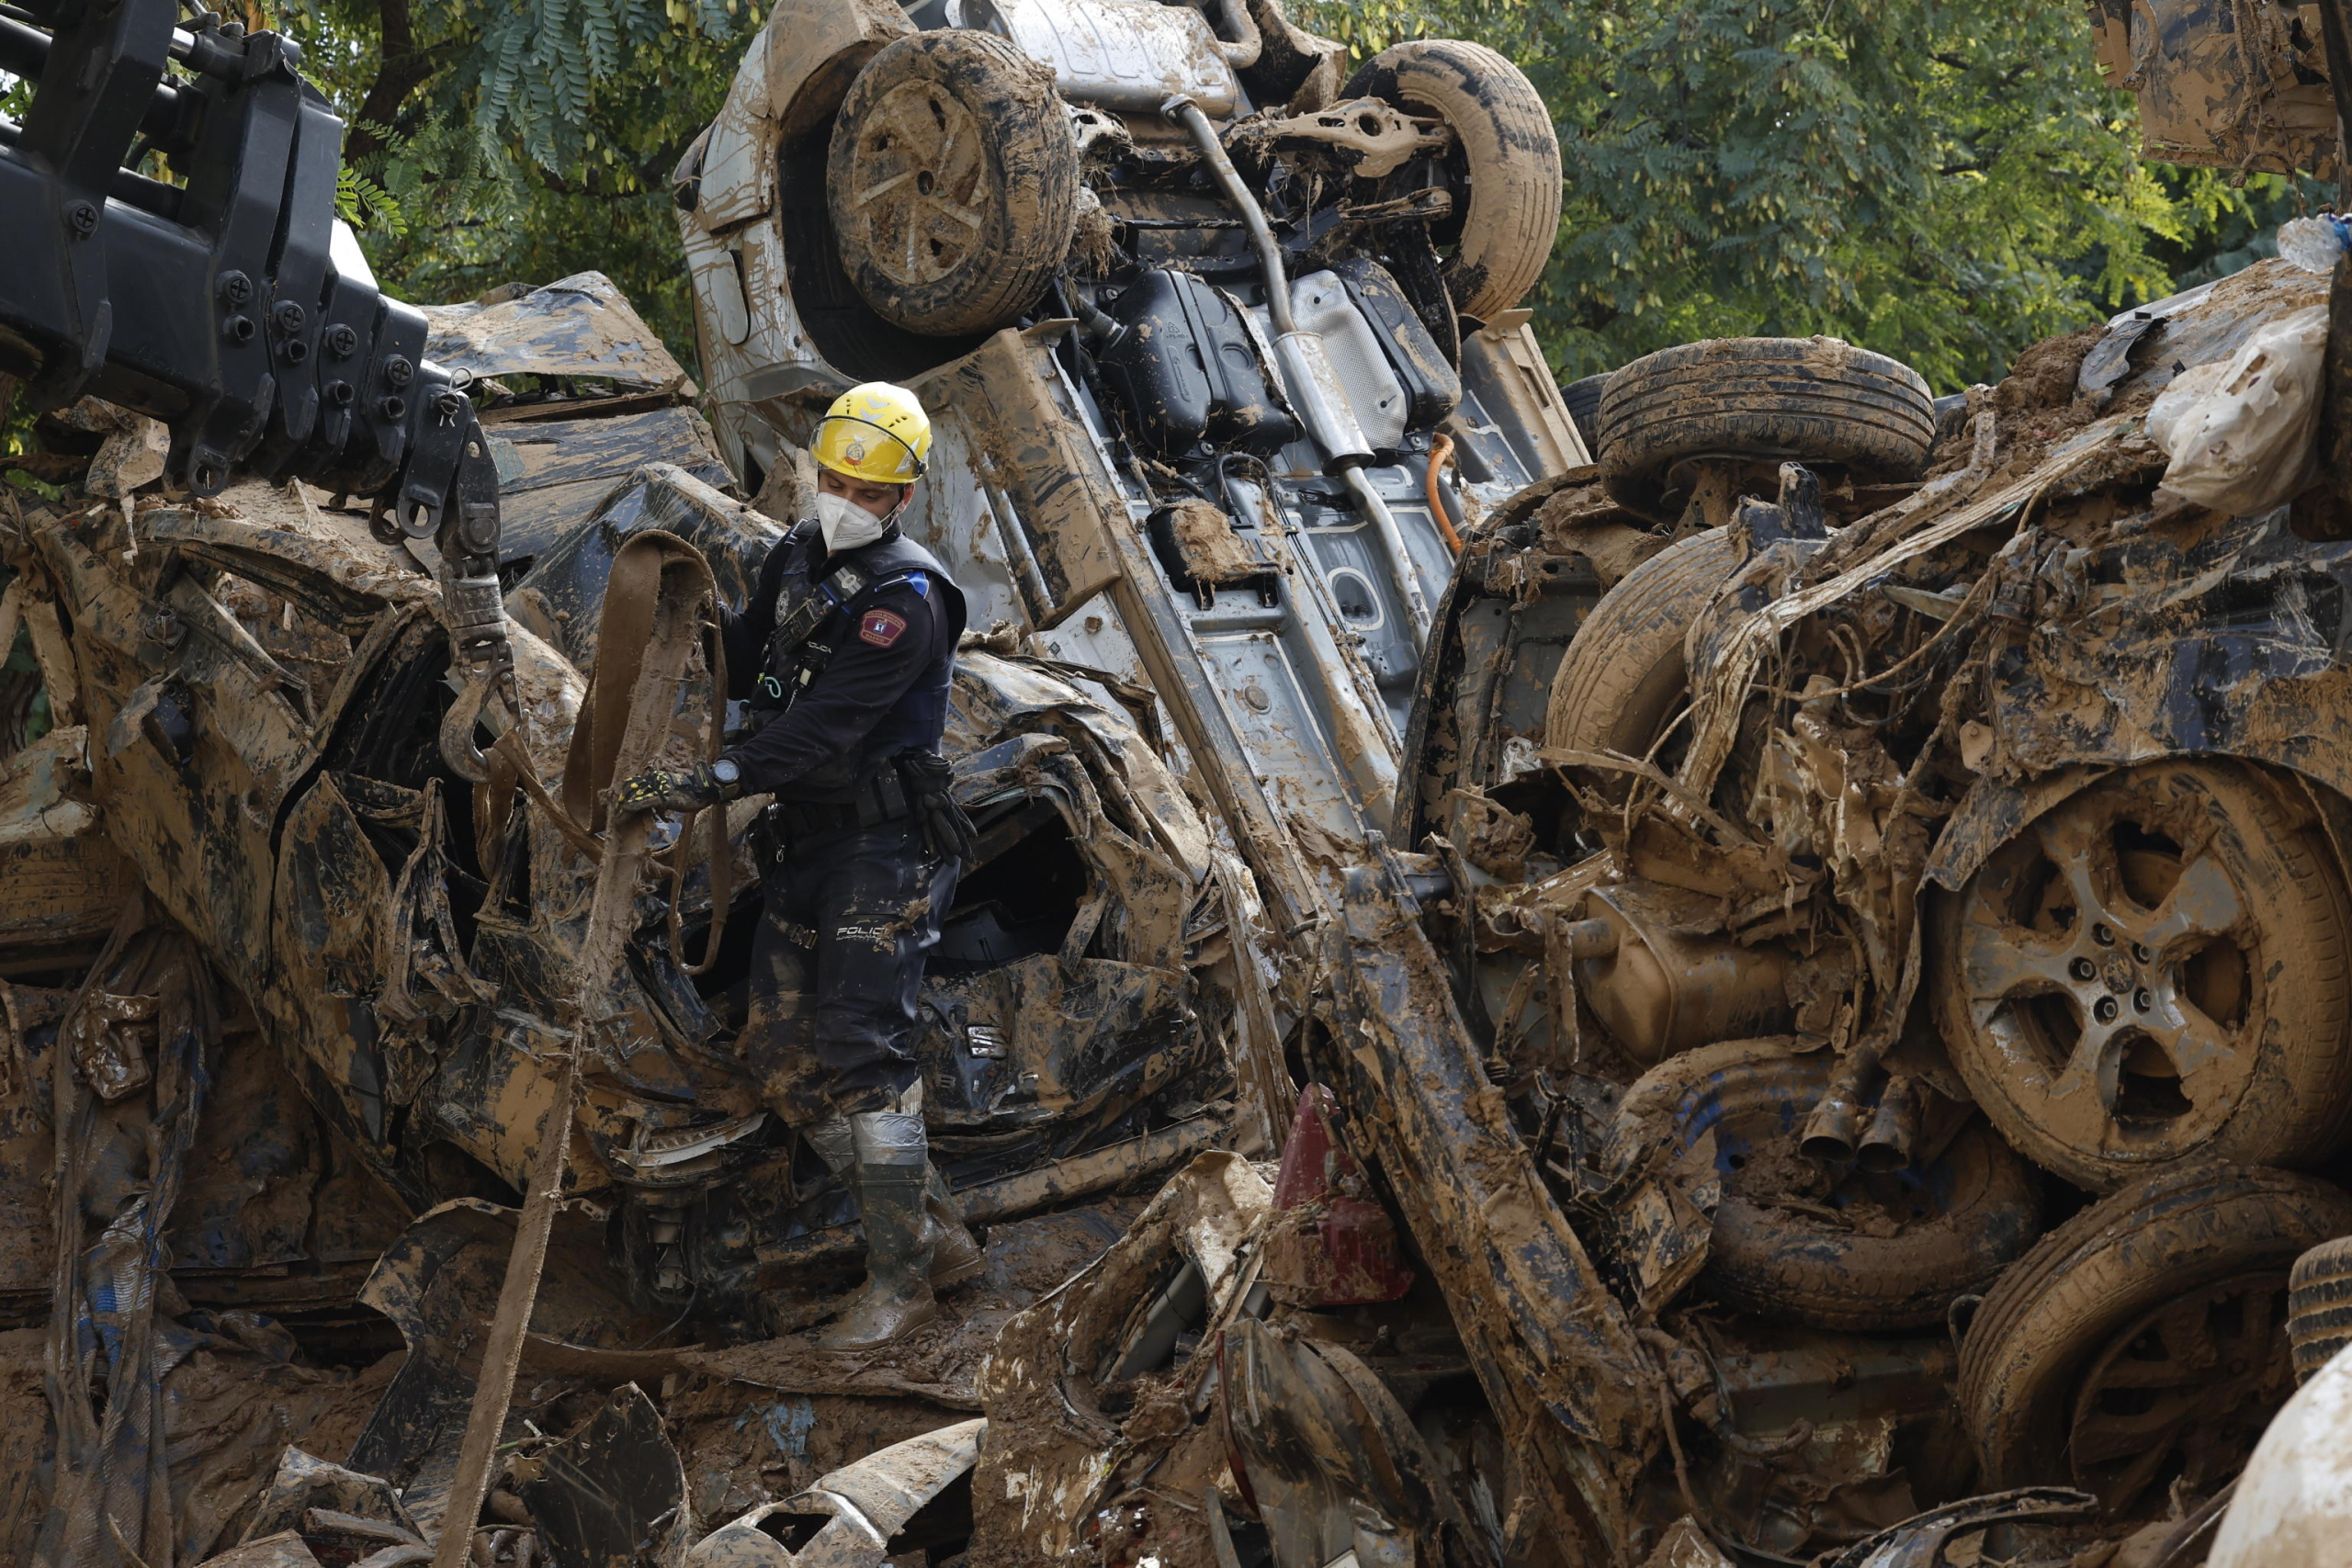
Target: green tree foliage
<point x="1942" y="180"/>
<point x="502" y="141"/>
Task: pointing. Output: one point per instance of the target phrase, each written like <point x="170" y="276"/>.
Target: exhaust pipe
<point x="1894" y="1131"/>
<point x="1306" y="373"/>
<point x="1834" y="1129"/>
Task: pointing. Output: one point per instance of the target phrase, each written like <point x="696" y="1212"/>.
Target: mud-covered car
<point x="1904" y="919"/>
<point x="1222" y="346"/>
<point x="268" y="684"/>
<point x="288" y="989"/>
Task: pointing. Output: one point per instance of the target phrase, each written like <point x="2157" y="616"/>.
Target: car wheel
<point x="2319" y="1306"/>
<point x="2143" y="1341"/>
<point x="1831" y="1246"/>
<point x="2153" y="970"/>
<point x="1813" y="400"/>
<point x="1623" y="680"/>
<point x="951" y="182"/>
<point x="1583" y="399"/>
<point x="1505" y="167"/>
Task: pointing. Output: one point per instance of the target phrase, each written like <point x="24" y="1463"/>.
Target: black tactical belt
<point x="880" y="799"/>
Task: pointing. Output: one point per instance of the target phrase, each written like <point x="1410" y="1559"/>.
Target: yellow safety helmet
<point x="875" y="433"/>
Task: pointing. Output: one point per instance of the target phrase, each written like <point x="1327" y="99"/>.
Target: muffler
<point x="1662" y="986"/>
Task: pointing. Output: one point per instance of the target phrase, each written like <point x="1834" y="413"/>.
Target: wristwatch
<point x="728" y="773"/>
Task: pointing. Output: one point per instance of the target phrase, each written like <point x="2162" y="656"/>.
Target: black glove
<point x="661" y="790"/>
<point x="947" y="833"/>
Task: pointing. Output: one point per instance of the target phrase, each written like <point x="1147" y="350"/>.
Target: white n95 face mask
<point x="846" y="524"/>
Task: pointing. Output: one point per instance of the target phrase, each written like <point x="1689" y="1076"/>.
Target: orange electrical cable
<point x="1439" y="455"/>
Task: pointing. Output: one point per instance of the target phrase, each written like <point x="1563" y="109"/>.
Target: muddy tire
<point x="1506" y="158"/>
<point x="1583" y="401"/>
<point x="1813" y="400"/>
<point x="1967" y="1217"/>
<point x="2143" y="1340"/>
<point x="2155" y="972"/>
<point x="952" y="183"/>
<point x="2319" y="1306"/>
<point x="1958" y="1222"/>
<point x="1623" y="680"/>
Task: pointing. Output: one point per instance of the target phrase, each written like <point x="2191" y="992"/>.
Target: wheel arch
<point x="788" y="83"/>
<point x="1992" y="812"/>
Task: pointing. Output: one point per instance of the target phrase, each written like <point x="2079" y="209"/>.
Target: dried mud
<point x="1910" y="665"/>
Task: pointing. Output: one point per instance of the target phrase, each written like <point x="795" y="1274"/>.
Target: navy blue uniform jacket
<point x="884" y="689"/>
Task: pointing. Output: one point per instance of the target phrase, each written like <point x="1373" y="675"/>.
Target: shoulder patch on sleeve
<point x="880" y="627"/>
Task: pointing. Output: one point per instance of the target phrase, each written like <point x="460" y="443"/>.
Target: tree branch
<point x="404" y="68"/>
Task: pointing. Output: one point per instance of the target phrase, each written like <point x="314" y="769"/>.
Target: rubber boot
<point x="892" y="1170"/>
<point x="835" y="1145"/>
<point x="896" y="1298"/>
<point x="954" y="1255"/>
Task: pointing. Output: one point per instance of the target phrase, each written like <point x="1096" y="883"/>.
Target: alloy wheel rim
<point x="2114" y="972"/>
<point x="2182" y="1393"/>
<point x="918" y="184"/>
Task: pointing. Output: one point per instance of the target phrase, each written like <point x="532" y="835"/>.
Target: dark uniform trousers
<point x="836" y="967"/>
<point x="851" y="912"/>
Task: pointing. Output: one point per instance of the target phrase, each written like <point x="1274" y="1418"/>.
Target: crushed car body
<point x="285" y="1014"/>
<point x="1762" y="989"/>
<point x="1885" y="913"/>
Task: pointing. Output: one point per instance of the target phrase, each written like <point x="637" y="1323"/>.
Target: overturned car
<point x="1765" y="999"/>
<point x="1225" y="351"/>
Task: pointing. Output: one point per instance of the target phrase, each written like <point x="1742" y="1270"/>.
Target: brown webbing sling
<point x="659" y="601"/>
<point x="632" y="633"/>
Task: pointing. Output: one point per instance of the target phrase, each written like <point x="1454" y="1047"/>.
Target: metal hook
<point x="457" y="748"/>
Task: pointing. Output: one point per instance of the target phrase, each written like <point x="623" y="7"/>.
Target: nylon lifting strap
<point x="626" y="634"/>
<point x="658" y="602"/>
<point x="625" y="644"/>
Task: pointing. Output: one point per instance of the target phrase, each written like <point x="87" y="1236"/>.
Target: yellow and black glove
<point x="706" y="783"/>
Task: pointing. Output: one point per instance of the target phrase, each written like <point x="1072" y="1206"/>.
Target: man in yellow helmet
<point x="845" y="655"/>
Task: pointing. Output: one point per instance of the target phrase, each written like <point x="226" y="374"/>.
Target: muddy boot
<point x="896" y="1298"/>
<point x="954" y="1255"/>
<point x="891" y="1175"/>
